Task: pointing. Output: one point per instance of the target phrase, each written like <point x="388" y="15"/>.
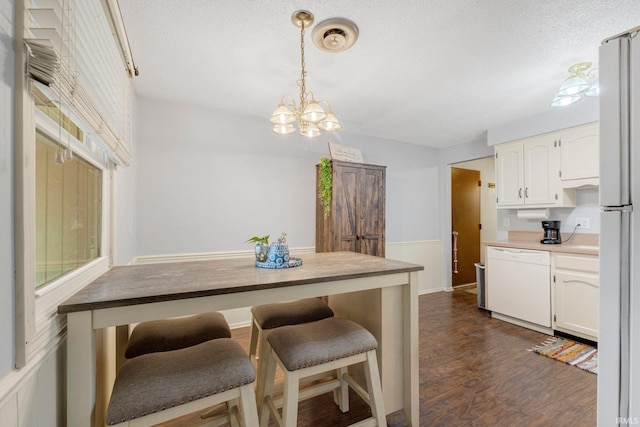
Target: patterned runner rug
<point x="574" y="353"/>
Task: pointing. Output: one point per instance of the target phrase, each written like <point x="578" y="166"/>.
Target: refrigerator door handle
<point x="626" y="209"/>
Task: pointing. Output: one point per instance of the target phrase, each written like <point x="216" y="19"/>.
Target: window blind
<point x="74" y="52"/>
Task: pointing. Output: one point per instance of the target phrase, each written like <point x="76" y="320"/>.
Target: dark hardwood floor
<point x="475" y="371"/>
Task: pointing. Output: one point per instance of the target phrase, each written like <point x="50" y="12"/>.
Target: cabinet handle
<point x="520" y="193"/>
<point x="526" y="192"/>
<point x="357" y="237"/>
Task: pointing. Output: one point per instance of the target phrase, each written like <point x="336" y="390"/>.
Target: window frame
<point x="37" y="322"/>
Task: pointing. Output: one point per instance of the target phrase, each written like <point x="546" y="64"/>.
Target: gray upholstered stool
<point x="271" y="316"/>
<point x="173" y="334"/>
<point x="267" y="317"/>
<point x="158" y="387"/>
<point x="307" y="349"/>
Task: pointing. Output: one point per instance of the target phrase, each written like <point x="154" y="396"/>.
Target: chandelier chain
<point x="303" y="73"/>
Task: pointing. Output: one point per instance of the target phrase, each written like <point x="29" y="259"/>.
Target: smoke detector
<point x="335" y="34"/>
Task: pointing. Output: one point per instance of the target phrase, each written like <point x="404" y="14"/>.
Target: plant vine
<point x="325" y="185"/>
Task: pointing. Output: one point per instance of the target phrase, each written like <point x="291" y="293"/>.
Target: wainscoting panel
<point x="34" y="395"/>
<point x="424" y="252"/>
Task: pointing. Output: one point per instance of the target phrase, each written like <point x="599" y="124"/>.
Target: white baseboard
<point x="431" y="291"/>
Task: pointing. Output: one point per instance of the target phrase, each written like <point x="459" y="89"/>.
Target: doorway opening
<point x="473" y="216"/>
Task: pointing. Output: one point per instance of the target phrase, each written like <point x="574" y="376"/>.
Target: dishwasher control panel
<point x="519" y="255"/>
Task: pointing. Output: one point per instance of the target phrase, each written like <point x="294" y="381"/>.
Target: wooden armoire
<point x="356" y="221"/>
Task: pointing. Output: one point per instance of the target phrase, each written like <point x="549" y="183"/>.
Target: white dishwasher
<point x="519" y="284"/>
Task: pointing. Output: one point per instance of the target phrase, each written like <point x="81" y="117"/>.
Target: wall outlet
<point x="582" y="222"/>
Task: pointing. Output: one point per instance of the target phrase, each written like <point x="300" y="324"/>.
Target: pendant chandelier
<point x="311" y="117"/>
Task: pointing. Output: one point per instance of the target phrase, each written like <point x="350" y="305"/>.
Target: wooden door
<point x="465" y="221"/>
<point x="371" y="210"/>
<point x="347" y="194"/>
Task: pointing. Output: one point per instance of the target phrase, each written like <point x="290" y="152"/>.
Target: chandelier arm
<point x="290" y="98"/>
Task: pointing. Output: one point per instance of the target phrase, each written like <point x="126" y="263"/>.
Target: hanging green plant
<point x="325" y="185"/>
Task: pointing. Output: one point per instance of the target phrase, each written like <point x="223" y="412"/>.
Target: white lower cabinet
<point x="576" y="294"/>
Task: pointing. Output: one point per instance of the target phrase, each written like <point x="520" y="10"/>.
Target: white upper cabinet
<point x="526" y="173"/>
<point x="510" y="174"/>
<point x="540" y="168"/>
<point x="580" y="155"/>
<point x="543" y="170"/>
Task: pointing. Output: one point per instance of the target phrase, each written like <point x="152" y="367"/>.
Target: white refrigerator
<point x="619" y="336"/>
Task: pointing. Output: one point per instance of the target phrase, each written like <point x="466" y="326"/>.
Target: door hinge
<point x="496" y="155"/>
<point x="560" y="174"/>
<point x="554" y="318"/>
<point x="554" y="278"/>
<point x="479" y="226"/>
<point x="479" y="183"/>
<point x="555" y="143"/>
<point x="556" y="196"/>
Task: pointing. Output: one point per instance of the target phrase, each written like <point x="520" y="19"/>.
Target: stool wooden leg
<point x="262" y="370"/>
<point x="248" y="405"/>
<point x="374" y="388"/>
<point x="266" y="378"/>
<point x="253" y="342"/>
<point x="341" y="395"/>
<point x="290" y="399"/>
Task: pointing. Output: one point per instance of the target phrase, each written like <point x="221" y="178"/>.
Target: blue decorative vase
<point x="278" y="253"/>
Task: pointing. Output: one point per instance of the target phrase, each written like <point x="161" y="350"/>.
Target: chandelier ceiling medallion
<point x="581" y="81"/>
<point x="311" y="117"/>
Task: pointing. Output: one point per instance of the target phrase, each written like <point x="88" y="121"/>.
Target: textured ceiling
<point x="435" y="73"/>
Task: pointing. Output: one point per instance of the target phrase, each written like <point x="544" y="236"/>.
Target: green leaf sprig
<point x="325" y="185"/>
<point x="256" y="239"/>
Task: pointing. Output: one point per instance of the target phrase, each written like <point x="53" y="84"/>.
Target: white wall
<point x="208" y="180"/>
<point x="7" y="64"/>
<point x="585" y="111"/>
<point x="125" y="205"/>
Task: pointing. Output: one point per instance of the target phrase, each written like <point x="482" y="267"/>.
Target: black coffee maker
<point x="551" y="233"/>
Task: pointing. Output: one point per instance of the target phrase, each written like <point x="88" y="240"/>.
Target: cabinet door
<point x="346" y="218"/>
<point x="371" y="208"/>
<point x="540" y="171"/>
<point x="509" y="174"/>
<point x="576" y="302"/>
<point x="579" y="153"/>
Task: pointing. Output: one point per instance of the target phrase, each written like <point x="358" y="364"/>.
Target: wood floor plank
<point x="474" y="371"/>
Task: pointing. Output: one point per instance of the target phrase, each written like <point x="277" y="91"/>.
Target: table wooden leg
<point x="411" y="368"/>
<point x="81" y="369"/>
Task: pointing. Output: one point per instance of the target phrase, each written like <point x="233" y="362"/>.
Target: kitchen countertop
<point x="581" y="243"/>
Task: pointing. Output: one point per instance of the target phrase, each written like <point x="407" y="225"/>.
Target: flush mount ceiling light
<point x="311" y="117"/>
<point x="581" y="81"/>
<point x="335" y="34"/>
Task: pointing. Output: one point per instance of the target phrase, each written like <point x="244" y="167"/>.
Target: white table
<point x="379" y="293"/>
